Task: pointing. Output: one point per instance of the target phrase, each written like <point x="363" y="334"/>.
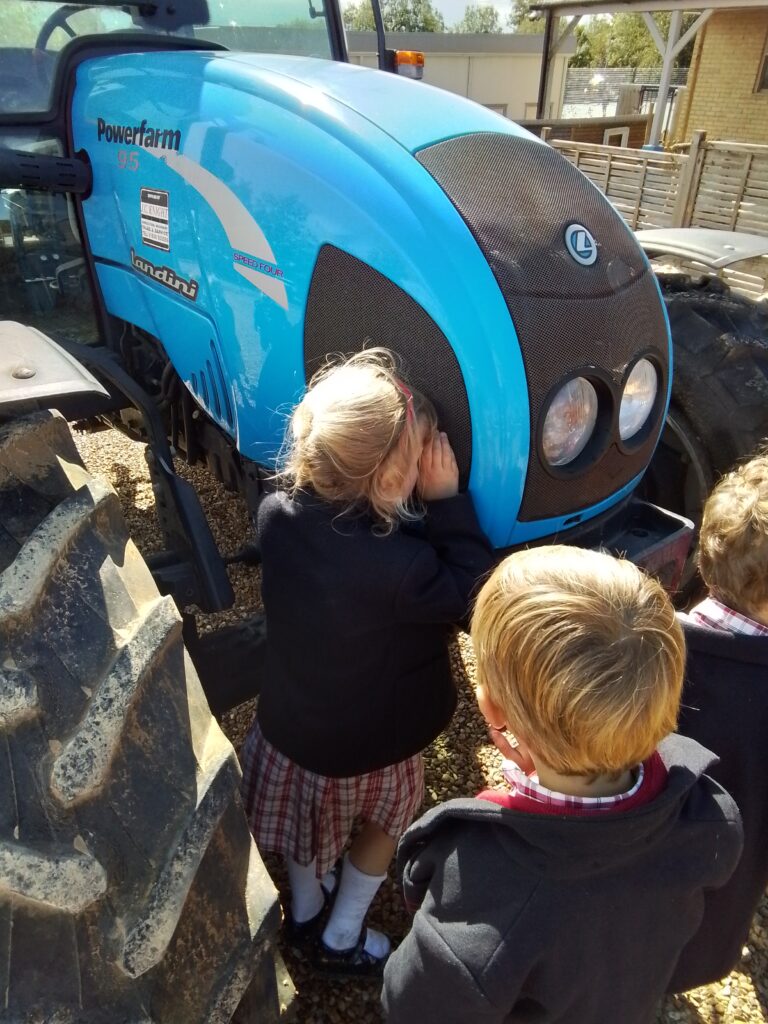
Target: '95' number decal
<point x="127" y="161"/>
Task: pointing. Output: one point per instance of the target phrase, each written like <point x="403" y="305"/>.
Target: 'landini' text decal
<point x="166" y="276"/>
<point x="150" y="137"/>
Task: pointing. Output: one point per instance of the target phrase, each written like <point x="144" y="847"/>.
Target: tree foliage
<point x="398" y="15"/>
<point x="521" y="20"/>
<point x="479" y="18"/>
<point x="623" y="41"/>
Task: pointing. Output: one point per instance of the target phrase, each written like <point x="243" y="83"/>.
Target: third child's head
<point x="580" y="656"/>
<point x="357" y="436"/>
<point x="733" y="552"/>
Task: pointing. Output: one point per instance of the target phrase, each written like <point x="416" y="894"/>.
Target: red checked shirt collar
<point x="529" y="786"/>
<point x="713" y="614"/>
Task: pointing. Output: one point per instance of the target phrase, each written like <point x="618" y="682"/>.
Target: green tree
<point x="623" y="41"/>
<point x="479" y="18"/>
<point x="592" y="43"/>
<point x="398" y="15"/>
<point x="521" y="20"/>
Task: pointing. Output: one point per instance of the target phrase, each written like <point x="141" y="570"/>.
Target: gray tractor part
<point x="738" y="259"/>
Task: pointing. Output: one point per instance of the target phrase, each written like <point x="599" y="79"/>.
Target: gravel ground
<point x="459" y="763"/>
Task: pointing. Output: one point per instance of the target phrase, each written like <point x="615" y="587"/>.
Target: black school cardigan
<point x="725" y="708"/>
<point x="357" y="672"/>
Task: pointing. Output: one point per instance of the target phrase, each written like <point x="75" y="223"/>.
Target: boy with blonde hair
<point x="725" y="702"/>
<point x="567" y="897"/>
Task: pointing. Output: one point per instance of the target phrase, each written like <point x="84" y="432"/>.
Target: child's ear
<point x="490" y="711"/>
<point x="390" y="478"/>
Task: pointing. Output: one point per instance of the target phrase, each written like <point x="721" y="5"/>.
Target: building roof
<point x="571" y="7"/>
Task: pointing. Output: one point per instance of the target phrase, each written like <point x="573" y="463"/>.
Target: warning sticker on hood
<point x="155" y="226"/>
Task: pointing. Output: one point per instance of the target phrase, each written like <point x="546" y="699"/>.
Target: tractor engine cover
<point x="256" y="213"/>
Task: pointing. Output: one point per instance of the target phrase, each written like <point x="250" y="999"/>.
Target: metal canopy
<point x="567" y="8"/>
<point x="669" y="48"/>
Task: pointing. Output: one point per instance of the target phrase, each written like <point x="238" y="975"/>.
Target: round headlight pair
<point x="572" y="413"/>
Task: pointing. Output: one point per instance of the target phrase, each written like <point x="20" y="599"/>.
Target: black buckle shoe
<point x="301" y="934"/>
<point x="348" y="963"/>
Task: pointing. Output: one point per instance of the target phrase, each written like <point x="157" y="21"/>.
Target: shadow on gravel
<point x="127" y="486"/>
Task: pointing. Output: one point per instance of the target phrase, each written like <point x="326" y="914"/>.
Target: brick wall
<point x="721" y="84"/>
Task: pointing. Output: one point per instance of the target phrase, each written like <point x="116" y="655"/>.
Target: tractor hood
<point x="255" y="213"/>
<point x="415" y="115"/>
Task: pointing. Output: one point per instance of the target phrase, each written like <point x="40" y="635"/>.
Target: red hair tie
<point x="408" y="399"/>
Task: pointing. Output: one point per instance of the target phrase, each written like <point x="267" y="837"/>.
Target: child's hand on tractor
<point x="438" y="472"/>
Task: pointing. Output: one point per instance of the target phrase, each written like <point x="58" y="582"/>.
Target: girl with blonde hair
<point x="370" y="555"/>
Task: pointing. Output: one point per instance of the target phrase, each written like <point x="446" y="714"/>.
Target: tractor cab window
<point x="34" y="33"/>
<point x="43" y="274"/>
<point x="270" y="26"/>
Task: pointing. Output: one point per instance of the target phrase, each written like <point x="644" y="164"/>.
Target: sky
<point x="453" y="10"/>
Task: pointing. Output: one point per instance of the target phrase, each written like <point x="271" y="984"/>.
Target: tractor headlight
<point x="638" y="398"/>
<point x="569" y="422"/>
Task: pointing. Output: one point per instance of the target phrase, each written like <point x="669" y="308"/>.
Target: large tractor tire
<point x="130" y="888"/>
<point x="720" y="369"/>
<point x="719" y="408"/>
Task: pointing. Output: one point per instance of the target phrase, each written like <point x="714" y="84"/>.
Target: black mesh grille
<point x="352" y="306"/>
<point x="518" y="196"/>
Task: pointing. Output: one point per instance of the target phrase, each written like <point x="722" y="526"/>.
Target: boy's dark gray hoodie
<point x="548" y="919"/>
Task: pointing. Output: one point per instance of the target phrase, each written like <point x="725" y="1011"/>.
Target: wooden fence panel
<point x="733" y="189"/>
<point x="641" y="184"/>
<point x="718" y="185"/>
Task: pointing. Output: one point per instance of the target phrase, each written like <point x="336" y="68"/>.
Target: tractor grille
<point x="518" y="196"/>
<point x="210" y="386"/>
<point x="351" y="306"/>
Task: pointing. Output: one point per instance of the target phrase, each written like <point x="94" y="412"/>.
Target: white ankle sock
<point x="355" y="895"/>
<point x="307" y="898"/>
<point x="329" y="882"/>
<point x="376" y="943"/>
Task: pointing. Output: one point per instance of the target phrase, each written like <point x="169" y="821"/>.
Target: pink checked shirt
<point x="526" y="793"/>
<point x="713" y="614"/>
<point x="529" y="786"/>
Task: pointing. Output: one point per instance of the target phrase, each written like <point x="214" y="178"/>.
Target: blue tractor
<point x="238" y="216"/>
<point x="198" y="203"/>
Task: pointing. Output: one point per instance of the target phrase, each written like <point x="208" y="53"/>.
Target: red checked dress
<point x="357" y="680"/>
<point x="303" y="815"/>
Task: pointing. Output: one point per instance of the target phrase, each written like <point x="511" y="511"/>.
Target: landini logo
<point x="166" y="276"/>
<point x="581" y="244"/>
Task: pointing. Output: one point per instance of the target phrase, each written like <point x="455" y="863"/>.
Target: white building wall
<point x="507" y="82"/>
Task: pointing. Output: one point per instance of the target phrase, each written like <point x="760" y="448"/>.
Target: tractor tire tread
<point x="133" y="890"/>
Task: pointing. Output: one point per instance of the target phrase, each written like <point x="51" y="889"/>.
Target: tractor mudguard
<point x="36" y="373"/>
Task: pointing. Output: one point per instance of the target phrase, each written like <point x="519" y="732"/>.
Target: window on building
<point x="497" y="108"/>
<point x="616" y="137"/>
